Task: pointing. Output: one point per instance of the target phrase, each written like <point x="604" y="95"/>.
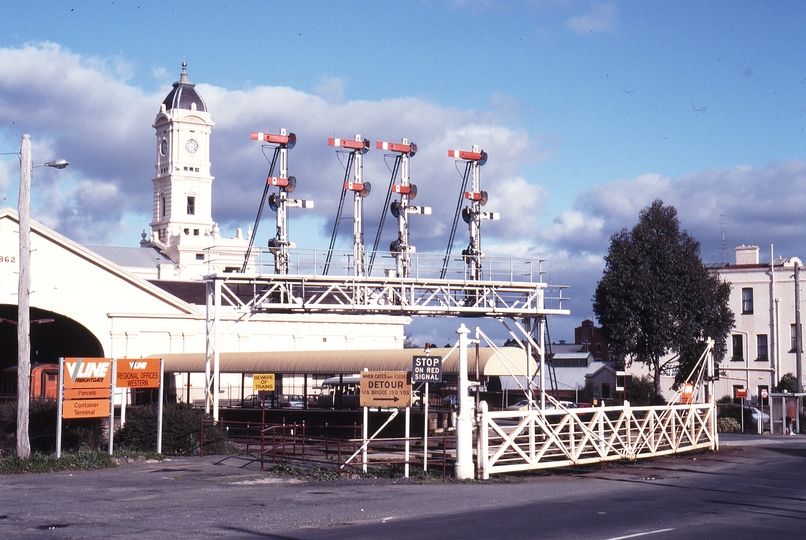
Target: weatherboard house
<point x="106" y="301"/>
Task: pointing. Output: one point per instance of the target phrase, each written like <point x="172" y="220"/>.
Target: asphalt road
<point x="754" y="487"/>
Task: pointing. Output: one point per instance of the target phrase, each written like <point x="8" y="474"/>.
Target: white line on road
<point x="636" y="535"/>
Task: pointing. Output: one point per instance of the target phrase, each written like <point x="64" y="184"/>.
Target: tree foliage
<point x="656" y="297"/>
<point x="787" y="383"/>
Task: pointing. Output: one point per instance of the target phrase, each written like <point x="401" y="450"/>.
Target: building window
<point x="747" y="300"/>
<point x="162" y="206"/>
<point x="191" y="206"/>
<point x="793" y="332"/>
<point x="761" y="345"/>
<point x="738" y="347"/>
<point x="200" y="256"/>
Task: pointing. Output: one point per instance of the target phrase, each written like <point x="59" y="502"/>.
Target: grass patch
<point x="41" y="463"/>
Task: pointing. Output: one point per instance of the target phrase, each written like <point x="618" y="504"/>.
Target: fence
<point x="540" y="439"/>
<point x="328" y="445"/>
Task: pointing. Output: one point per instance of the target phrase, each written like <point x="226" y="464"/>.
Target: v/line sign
<point x="385" y="389"/>
<point x="87" y="388"/>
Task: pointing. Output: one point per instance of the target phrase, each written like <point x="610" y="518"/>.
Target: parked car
<point x="286" y="401"/>
<point x="251" y="402"/>
<point x="434" y="400"/>
<point x="522" y="405"/>
<point x="755" y="414"/>
<point x="451" y="401"/>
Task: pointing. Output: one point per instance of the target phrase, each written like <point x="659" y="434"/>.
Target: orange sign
<point x="140" y="373"/>
<point x="85" y="408"/>
<point x="87" y="372"/>
<point x="87" y="393"/>
<point x="740" y="393"/>
<point x="687" y="394"/>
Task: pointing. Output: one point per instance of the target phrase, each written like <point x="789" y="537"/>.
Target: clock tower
<point x="182" y="205"/>
<point x="182" y="226"/>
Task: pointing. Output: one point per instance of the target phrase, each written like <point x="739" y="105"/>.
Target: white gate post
<point x="483" y="457"/>
<point x="464" y="423"/>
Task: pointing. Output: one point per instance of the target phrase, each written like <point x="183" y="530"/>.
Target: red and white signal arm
<point x="481" y="157"/>
<point x="288" y="140"/>
<point x="352" y="144"/>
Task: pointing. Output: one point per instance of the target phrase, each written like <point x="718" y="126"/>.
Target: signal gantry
<point x="279" y="202"/>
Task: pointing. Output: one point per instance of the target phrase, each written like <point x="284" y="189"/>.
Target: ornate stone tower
<point x="182" y="184"/>
<point x="182" y="226"/>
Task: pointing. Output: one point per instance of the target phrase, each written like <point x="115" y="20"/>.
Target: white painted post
<point x="425" y="432"/>
<point x="208" y="351"/>
<point x="464" y="423"/>
<point x="484" y="443"/>
<point x="159" y="409"/>
<point x="216" y="353"/>
<point x="365" y="433"/>
<point x="408" y="434"/>
<point x="114" y="367"/>
<point x="59" y="406"/>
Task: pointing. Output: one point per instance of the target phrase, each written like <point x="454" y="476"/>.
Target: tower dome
<point x="184" y="95"/>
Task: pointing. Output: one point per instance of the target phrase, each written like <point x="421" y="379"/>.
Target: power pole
<point x="23" y="312"/>
<point x="798" y="337"/>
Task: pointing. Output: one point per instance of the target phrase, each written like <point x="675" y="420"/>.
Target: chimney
<point x="746" y="255"/>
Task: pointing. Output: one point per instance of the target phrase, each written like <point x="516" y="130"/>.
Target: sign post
<point x="741" y="393"/>
<point x="426" y="369"/>
<point x="263" y="382"/>
<point x="142" y="373"/>
<point x="86" y="387"/>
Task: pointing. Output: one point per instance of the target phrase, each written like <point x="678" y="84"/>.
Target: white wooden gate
<point x="540" y="439"/>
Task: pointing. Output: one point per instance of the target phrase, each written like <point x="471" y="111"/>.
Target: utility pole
<point x="798" y="332"/>
<point x="23" y="312"/>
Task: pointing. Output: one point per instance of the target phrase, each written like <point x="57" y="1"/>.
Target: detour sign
<point x="385" y="389"/>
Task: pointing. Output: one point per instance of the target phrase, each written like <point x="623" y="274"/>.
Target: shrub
<point x="728" y="425"/>
<point x="76" y="434"/>
<point x="180" y="431"/>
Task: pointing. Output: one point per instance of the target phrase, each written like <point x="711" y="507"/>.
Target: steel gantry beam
<point x="386" y="296"/>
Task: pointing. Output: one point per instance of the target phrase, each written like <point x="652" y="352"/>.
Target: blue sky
<point x="589" y="111"/>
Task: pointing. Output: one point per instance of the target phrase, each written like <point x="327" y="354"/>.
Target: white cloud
<point x="602" y="18"/>
<point x="84" y="109"/>
<point x="331" y="89"/>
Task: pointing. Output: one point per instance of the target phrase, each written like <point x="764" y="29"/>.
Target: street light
<point x="23" y="305"/>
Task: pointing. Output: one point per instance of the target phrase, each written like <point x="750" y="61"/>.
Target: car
<point x="251" y="402"/>
<point x="522" y="405"/>
<point x="434" y="400"/>
<point x="755" y="414"/>
<point x="451" y="401"/>
<point x="287" y="401"/>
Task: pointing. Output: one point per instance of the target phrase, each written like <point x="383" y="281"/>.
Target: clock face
<point x="164" y="147"/>
<point x="191" y="146"/>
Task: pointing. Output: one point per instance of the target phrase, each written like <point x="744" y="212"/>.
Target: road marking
<point x="636" y="535"/>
